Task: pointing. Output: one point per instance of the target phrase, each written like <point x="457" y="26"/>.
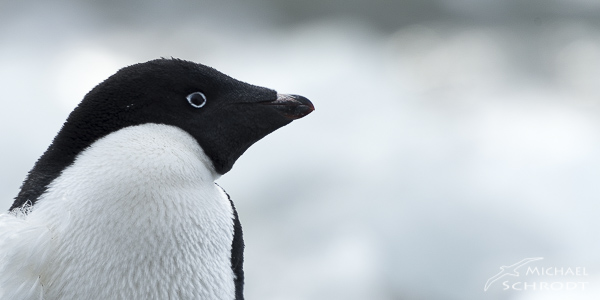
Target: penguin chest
<point x="151" y="226"/>
<point x="157" y="255"/>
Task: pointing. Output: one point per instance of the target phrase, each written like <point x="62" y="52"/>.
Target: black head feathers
<point x="224" y="115"/>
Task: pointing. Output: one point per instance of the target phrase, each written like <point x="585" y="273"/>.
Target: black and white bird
<point x="124" y="204"/>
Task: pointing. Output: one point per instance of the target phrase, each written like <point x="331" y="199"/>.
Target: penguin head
<point x="224" y="115"/>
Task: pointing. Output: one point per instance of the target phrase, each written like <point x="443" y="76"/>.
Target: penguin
<point x="124" y="205"/>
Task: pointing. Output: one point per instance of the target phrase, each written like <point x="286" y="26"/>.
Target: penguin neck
<point x="143" y="201"/>
<point x="134" y="167"/>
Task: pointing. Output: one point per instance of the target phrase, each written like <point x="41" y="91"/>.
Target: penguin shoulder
<point x="25" y="247"/>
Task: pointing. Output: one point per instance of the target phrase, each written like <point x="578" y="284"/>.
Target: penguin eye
<point x="196" y="99"/>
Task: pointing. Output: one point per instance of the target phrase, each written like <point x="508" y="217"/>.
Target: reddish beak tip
<point x="292" y="106"/>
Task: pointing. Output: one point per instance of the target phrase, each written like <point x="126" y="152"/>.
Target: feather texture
<point x="136" y="216"/>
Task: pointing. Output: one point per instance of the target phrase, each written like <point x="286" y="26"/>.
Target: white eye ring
<point x="196" y="99"/>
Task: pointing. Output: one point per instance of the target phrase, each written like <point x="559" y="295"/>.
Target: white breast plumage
<point x="136" y="216"/>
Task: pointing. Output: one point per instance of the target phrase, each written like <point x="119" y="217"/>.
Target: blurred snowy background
<point x="451" y="137"/>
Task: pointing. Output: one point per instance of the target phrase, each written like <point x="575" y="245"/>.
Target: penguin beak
<point x="291" y="106"/>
